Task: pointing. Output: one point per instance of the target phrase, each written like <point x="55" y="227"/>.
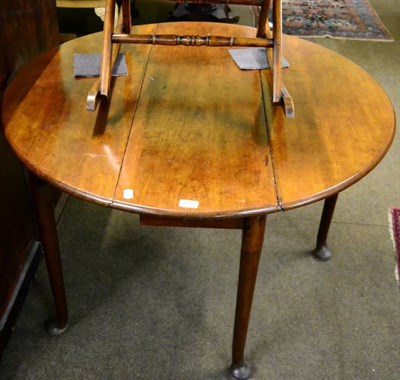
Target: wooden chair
<point x="80" y="3"/>
<point x="269" y="38"/>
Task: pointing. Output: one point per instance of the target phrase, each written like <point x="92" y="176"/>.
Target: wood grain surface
<point x="187" y="124"/>
<point x="343" y="127"/>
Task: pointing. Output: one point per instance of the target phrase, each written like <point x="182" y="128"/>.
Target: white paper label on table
<point x="128" y="194"/>
<point x="187" y="203"/>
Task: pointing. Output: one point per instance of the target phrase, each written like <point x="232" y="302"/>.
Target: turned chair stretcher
<point x="115" y="35"/>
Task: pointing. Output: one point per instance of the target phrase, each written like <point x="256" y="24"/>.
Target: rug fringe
<point x="394" y="230"/>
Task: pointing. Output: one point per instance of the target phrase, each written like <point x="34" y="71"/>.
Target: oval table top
<point x="188" y="134"/>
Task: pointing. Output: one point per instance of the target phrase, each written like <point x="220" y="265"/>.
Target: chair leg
<point x="277" y="52"/>
<point x="105" y="71"/>
<point x="263" y="19"/>
<point x="101" y="86"/>
<point x="126" y="16"/>
<point x="280" y="95"/>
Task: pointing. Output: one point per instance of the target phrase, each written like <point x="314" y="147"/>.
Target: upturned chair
<point x="267" y="37"/>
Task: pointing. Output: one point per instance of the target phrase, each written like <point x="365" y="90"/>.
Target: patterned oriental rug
<point x="349" y="19"/>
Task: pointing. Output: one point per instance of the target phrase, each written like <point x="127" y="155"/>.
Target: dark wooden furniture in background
<point x="183" y="150"/>
<point x="27" y="28"/>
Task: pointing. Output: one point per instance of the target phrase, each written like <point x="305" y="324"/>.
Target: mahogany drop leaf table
<point x="191" y="140"/>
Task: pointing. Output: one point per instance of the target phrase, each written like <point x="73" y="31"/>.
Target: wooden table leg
<point x="321" y="251"/>
<point x="252" y="242"/>
<point x="49" y="240"/>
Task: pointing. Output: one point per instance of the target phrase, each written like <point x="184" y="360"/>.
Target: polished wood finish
<point x="153" y="129"/>
<point x="228" y="151"/>
<point x="263" y="21"/>
<point x="162" y="221"/>
<point x="107" y="56"/>
<point x="126" y="16"/>
<point x="48" y="237"/>
<point x="277" y="52"/>
<point x="191" y="140"/>
<point x="338" y="137"/>
<point x="27" y="28"/>
<point x="80" y="3"/>
<point x="101" y="87"/>
<point x="252" y="242"/>
<point x="189" y="40"/>
<point x="322" y="251"/>
<point x="272" y="44"/>
<point x="280" y="93"/>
